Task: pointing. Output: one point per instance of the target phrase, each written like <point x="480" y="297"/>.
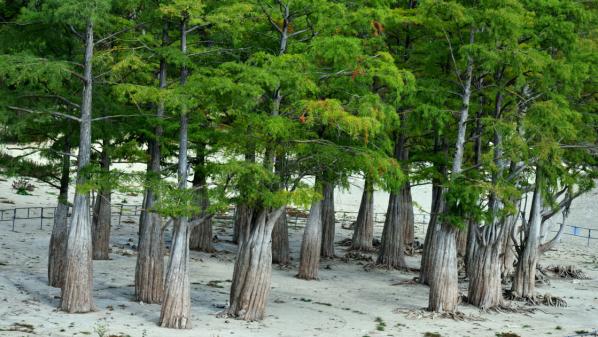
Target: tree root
<point x="546" y="299"/>
<point x="551" y="301"/>
<point x="511" y="309"/>
<point x="356" y="256"/>
<point x="424" y="314"/>
<point x="568" y="272"/>
<point x="541" y="276"/>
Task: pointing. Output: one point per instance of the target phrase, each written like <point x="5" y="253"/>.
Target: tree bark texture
<point x="524" y="282"/>
<point x="252" y="275"/>
<point x="78" y="279"/>
<point x="102" y="214"/>
<point x="201" y="235"/>
<point x="280" y="241"/>
<point x="175" y="311"/>
<point x="242" y="225"/>
<point x="309" y="263"/>
<point x="485" y="290"/>
<point x="462" y="242"/>
<point x="392" y="248"/>
<point x="176" y="305"/>
<point x="328" y="221"/>
<point x="507" y="249"/>
<point x="363" y="236"/>
<point x="443" y="274"/>
<point x="58" y="239"/>
<point x="471" y="246"/>
<point x="437" y="206"/>
<point x="149" y="269"/>
<point x="444" y="291"/>
<point x="409" y="227"/>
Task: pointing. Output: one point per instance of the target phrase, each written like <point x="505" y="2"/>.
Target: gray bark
<point x="363" y="236"/>
<point x="102" y="214"/>
<point x="392" y="247"/>
<point x="309" y="263"/>
<point x="328" y="221"/>
<point x="175" y="311"/>
<point x="201" y="235"/>
<point x="58" y="239"/>
<point x="78" y="280"/>
<point x="444" y="292"/>
<point x="253" y="270"/>
<point x="524" y="282"/>
<point x="485" y="289"/>
<point x="149" y="269"/>
<point x="280" y="241"/>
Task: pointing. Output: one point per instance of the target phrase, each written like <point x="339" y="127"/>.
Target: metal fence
<point x="13" y="215"/>
<point x="295" y="218"/>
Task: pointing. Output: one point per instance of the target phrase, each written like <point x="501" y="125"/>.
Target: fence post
<point x="589" y="236"/>
<point x="41" y="219"/>
<point x="120" y="214"/>
<point x="14" y="218"/>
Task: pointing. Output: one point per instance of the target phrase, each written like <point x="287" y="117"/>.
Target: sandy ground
<point x="346" y="301"/>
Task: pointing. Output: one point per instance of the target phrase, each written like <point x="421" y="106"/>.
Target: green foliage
<point x="330" y="101"/>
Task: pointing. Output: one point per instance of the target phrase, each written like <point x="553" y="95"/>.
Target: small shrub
<point x="101" y="329"/>
<point x="381" y="324"/>
<point x="432" y="334"/>
<point x="22" y="186"/>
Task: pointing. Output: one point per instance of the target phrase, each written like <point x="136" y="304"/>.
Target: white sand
<point x="349" y="298"/>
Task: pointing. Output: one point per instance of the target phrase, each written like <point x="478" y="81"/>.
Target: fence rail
<point x="44" y="213"/>
<point x="295" y="218"/>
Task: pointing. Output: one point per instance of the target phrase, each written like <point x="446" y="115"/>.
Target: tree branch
<point x="60" y="114"/>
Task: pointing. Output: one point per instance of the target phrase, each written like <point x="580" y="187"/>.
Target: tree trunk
<point x="309" y="263"/>
<point x="524" y="282"/>
<point x="443" y="273"/>
<point x="443" y="278"/>
<point x="280" y="241"/>
<point x="409" y="227"/>
<point x="363" y="236"/>
<point x="176" y="305"/>
<point x="78" y="279"/>
<point x="471" y="246"/>
<point x="507" y="249"/>
<point x="328" y="221"/>
<point x="485" y="290"/>
<point x="437" y="206"/>
<point x="149" y="269"/>
<point x="462" y="242"/>
<point x="58" y="239"/>
<point x="102" y="214"/>
<point x="201" y="235"/>
<point x="253" y="270"/>
<point x="392" y="249"/>
<point x="242" y="225"/>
